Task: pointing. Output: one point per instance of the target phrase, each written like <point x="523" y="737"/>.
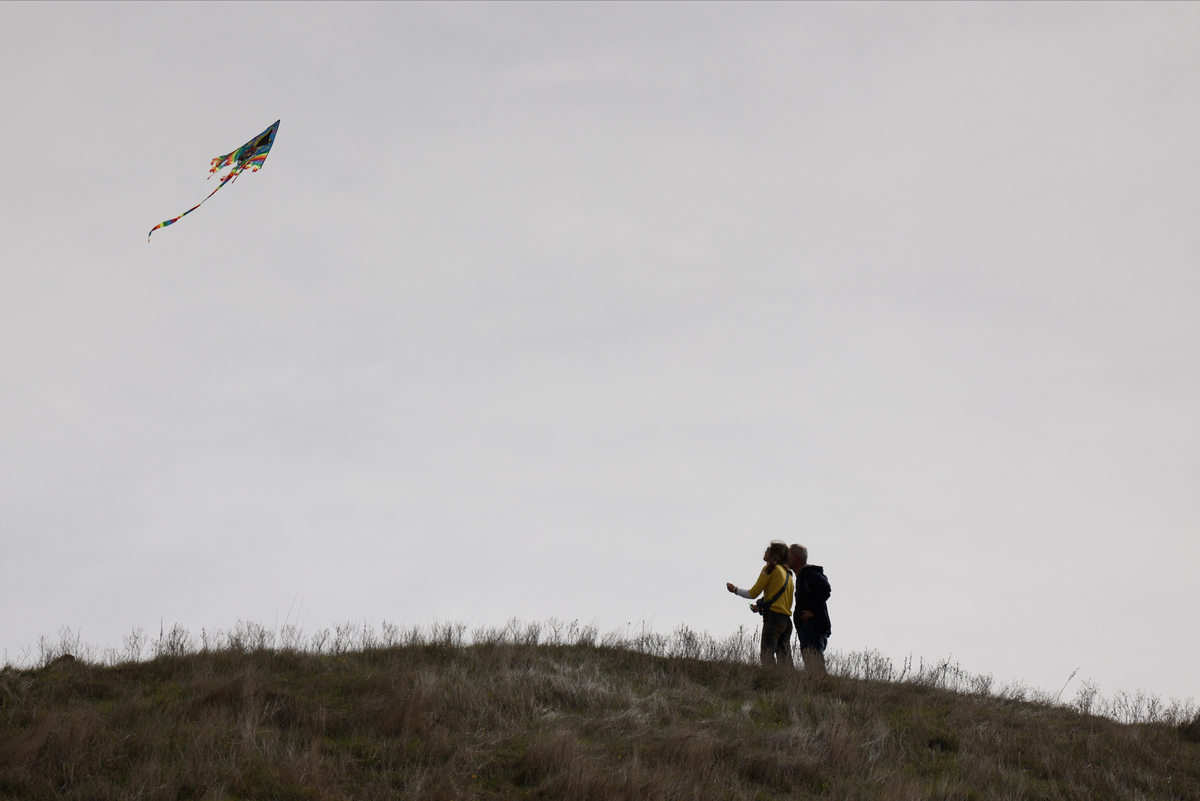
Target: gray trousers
<point x="776" y="639"/>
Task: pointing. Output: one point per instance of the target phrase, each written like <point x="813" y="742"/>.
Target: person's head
<point x="776" y="554"/>
<point x="797" y="557"/>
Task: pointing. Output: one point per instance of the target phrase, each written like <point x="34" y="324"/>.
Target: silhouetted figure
<point x="812" y="615"/>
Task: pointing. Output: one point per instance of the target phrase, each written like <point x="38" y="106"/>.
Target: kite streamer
<point x="250" y="156"/>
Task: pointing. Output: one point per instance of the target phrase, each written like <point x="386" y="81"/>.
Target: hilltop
<point x="520" y="714"/>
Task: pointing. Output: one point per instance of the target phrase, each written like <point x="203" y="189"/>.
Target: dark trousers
<point x="812" y="646"/>
<point x="776" y="639"/>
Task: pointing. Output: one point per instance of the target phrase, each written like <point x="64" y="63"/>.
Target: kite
<point x="251" y="155"/>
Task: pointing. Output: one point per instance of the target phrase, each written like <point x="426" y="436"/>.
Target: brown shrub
<point x="56" y="739"/>
<point x="789" y="772"/>
<point x="1191" y="731"/>
<point x="230" y="694"/>
<point x="693" y="751"/>
<point x="548" y="756"/>
<point x="400" y="712"/>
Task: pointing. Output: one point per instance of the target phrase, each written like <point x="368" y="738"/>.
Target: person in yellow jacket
<point x="777" y="585"/>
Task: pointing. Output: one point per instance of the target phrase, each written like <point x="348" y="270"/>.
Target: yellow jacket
<point x="769" y="583"/>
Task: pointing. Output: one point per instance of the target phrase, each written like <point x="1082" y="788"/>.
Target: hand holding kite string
<point x="251" y="155"/>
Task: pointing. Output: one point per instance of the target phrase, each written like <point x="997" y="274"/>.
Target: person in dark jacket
<point x="812" y="615"/>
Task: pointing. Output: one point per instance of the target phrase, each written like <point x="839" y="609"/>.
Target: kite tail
<point x="173" y="220"/>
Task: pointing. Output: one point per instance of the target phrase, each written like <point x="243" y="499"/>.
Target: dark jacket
<point x="812" y="590"/>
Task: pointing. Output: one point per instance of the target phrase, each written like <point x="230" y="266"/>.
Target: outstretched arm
<point x="754" y="591"/>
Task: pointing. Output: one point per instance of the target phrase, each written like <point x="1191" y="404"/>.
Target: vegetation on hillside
<point x="554" y="711"/>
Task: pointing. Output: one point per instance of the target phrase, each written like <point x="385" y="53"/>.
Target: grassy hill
<point x="546" y="711"/>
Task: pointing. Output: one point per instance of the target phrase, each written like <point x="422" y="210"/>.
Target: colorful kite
<point x="252" y="155"/>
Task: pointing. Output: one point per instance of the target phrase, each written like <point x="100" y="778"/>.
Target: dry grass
<point x="554" y="711"/>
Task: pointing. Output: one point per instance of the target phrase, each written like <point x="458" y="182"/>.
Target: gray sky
<point x="568" y="309"/>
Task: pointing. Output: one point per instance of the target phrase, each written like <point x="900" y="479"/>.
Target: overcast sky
<point x="567" y="309"/>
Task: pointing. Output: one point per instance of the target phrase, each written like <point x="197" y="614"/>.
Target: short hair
<point x="800" y="552"/>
